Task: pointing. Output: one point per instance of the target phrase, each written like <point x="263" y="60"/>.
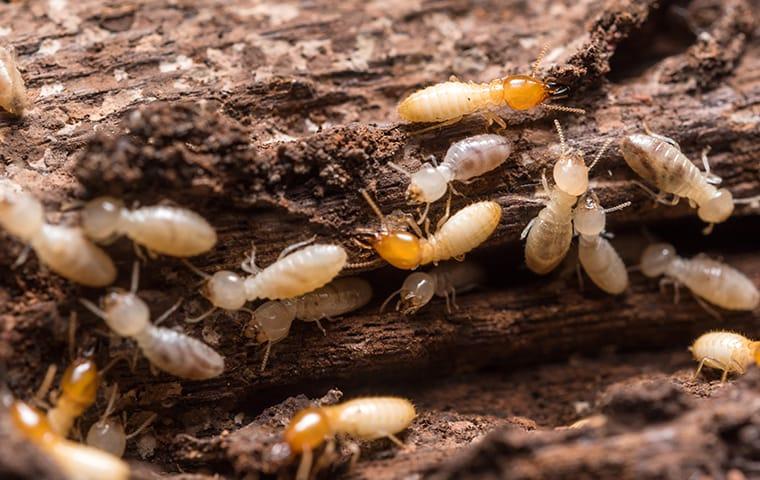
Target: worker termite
<point x="709" y="279"/>
<point x="64" y="249"/>
<point x="725" y="351"/>
<point x="448" y="102"/>
<point x="294" y="273"/>
<point x="108" y="433"/>
<point x="79" y="388"/>
<point x="659" y="160"/>
<point x="173" y="231"/>
<point x="168" y="350"/>
<point x="461" y="233"/>
<point x="464" y="160"/>
<point x="550" y="233"/>
<point x="13" y="97"/>
<point x="271" y="321"/>
<point x="366" y="418"/>
<point x="596" y="254"/>
<point x="442" y="281"/>
<point x="77" y="461"/>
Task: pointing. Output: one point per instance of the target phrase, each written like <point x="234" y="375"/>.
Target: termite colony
<point x="305" y="282"/>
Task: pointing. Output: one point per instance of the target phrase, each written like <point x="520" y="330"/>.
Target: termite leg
<point x="707" y="308"/>
<point x="424" y="214"/>
<point x="413" y="225"/>
<point x="699" y="368"/>
<point x="708" y="229"/>
<point x="710" y="177"/>
<point x="579" y="274"/>
<point x="658" y="197"/>
<point x="491" y="118"/>
<point x="304" y="467"/>
<point x="393" y="438"/>
<point x="448" y="302"/>
<point x="201" y="316"/>
<point x="356" y="452"/>
<point x="326" y="458"/>
<point x="443" y="124"/>
<point x="446" y="214"/>
<point x="22" y="257"/>
<point x="724" y="377"/>
<point x="292" y="248"/>
<point x="139" y="252"/>
<point x="167" y="313"/>
<point x="387" y="300"/>
<point x="319" y="325"/>
<point x="151" y="418"/>
<point x="660" y="137"/>
<point x="249" y="264"/>
<point x="454" y="298"/>
<point x="527" y="228"/>
<point x="47" y="382"/>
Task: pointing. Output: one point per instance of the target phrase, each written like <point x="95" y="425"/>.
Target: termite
<point x="295" y="273"/>
<point x="108" y="433"/>
<point x="461" y="233"/>
<point x="168" y="350"/>
<point x="79" y="389"/>
<point x="13" y="97"/>
<point x="365" y="419"/>
<point x="464" y="160"/>
<point x="598" y="257"/>
<point x="550" y="233"/>
<point x="709" y="279"/>
<point x="448" y="102"/>
<point x="173" y="231"/>
<point x="725" y="351"/>
<point x="659" y="161"/>
<point x="442" y="281"/>
<point x="77" y="461"/>
<point x="272" y="320"/>
<point x="65" y="250"/>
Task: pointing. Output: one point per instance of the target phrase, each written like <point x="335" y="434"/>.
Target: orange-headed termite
<point x="13" y="97"/>
<point x="725" y="351"/>
<point x="79" y="388"/>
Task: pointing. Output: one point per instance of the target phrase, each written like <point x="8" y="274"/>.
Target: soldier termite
<point x="294" y="273"/>
<point x="464" y="160"/>
<point x="448" y="102"/>
<point x="271" y="321"/>
<point x="461" y="233"/>
<point x="168" y="350"/>
<point x="725" y="351"/>
<point x="709" y="279"/>
<point x="551" y="231"/>
<point x="13" y="97"/>
<point x="79" y="388"/>
<point x="366" y="418"/>
<point x="65" y="250"/>
<point x="443" y="281"/>
<point x="596" y="254"/>
<point x="659" y="161"/>
<point x="173" y="231"/>
<point x="108" y="433"/>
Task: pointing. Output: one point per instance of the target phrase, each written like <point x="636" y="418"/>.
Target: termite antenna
<point x="599" y="154"/>
<point x="617" y="207"/>
<point x="373" y="206"/>
<point x="92" y="308"/>
<point x="387" y="300"/>
<point x="267" y="351"/>
<point x="151" y="418"/>
<point x="196" y="270"/>
<point x="752" y="201"/>
<point x="399" y="169"/>
<point x="563" y="108"/>
<point x="167" y="313"/>
<point x="44" y="388"/>
<point x="111" y="402"/>
<point x="201" y="316"/>
<point x="135" y="277"/>
<point x="561" y="134"/>
<point x="539" y="59"/>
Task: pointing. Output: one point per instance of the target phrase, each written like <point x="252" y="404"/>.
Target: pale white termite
<point x="168" y="350"/>
<point x="659" y="160"/>
<point x="65" y="250"/>
<point x="272" y="320"/>
<point x="464" y="160"/>
<point x="13" y="97"/>
<point x="598" y="257"/>
<point x="461" y="233"/>
<point x="293" y="274"/>
<point x="173" y="231"/>
<point x="108" y="433"/>
<point x="725" y="351"/>
<point x="550" y="233"/>
<point x="709" y="279"/>
<point x="442" y="281"/>
<point x="366" y="418"/>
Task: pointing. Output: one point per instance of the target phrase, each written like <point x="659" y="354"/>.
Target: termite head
<point x="108" y="434"/>
<point x="307" y="430"/>
<point x="589" y="218"/>
<point x="656" y="258"/>
<point x="718" y="208"/>
<point x="273" y="320"/>
<point x="571" y="172"/>
<point x="125" y="313"/>
<point x="20" y="213"/>
<point x="394" y="244"/>
<point x="418" y="289"/>
<point x="100" y="218"/>
<point x="80" y="382"/>
<point x="31" y="422"/>
<point x="427" y="185"/>
<point x="523" y="92"/>
<point x="225" y="290"/>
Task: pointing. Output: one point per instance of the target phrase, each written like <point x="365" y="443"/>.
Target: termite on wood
<point x="596" y="254"/>
<point x="726" y="351"/>
<point x="168" y="350"/>
<point x="709" y="279"/>
<point x="65" y="250"/>
<point x="79" y="388"/>
<point x="448" y="102"/>
<point x="365" y="419"/>
<point x="271" y="321"/>
<point x="659" y="161"/>
<point x="173" y="231"/>
<point x="13" y="98"/>
<point x="444" y="281"/>
<point x="108" y="432"/>
<point x="461" y="233"/>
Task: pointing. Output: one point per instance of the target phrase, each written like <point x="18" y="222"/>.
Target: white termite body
<point x="463" y="232"/>
<point x="108" y="435"/>
<point x="727" y="351"/>
<point x="13" y="98"/>
<point x="371" y="418"/>
<point x="65" y="250"/>
<point x="168" y="230"/>
<point x="445" y="281"/>
<point x="714" y="281"/>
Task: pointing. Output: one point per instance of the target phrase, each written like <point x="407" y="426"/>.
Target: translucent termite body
<point x="461" y="233"/>
<point x="709" y="279"/>
<point x="445" y="281"/>
<point x="598" y="257"/>
<point x="726" y="351"/>
<point x="79" y="389"/>
<point x="65" y="250"/>
<point x="13" y="98"/>
<point x="108" y="433"/>
<point x="366" y="419"/>
<point x="168" y="350"/>
<point x="173" y="231"/>
<point x="76" y="461"/>
<point x="464" y="160"/>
